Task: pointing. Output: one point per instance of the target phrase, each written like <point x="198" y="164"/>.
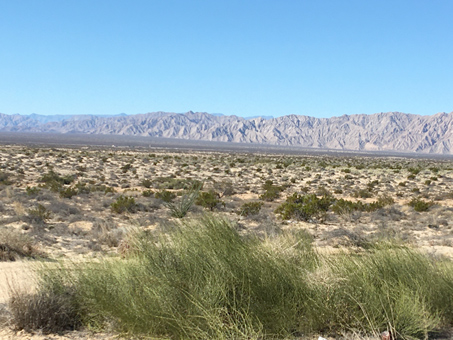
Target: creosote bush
<point x="420" y="205"/>
<point x="250" y="208"/>
<point x="271" y="191"/>
<point x="165" y="195"/>
<point x="209" y="199"/>
<point x="40" y="214"/>
<point x="304" y="207"/>
<point x="124" y="204"/>
<point x="205" y="281"/>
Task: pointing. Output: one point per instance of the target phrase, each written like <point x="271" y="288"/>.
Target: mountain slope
<point x="391" y="131"/>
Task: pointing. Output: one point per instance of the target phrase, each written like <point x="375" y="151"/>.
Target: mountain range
<point x="389" y="131"/>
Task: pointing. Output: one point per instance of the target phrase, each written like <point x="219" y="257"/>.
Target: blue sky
<point x="245" y="57"/>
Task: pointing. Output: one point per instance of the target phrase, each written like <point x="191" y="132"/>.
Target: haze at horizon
<point x="246" y="58"/>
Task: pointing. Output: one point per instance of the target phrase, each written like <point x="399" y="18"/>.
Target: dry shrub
<point x="47" y="311"/>
<point x="14" y="245"/>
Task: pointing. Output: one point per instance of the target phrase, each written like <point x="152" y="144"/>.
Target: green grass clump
<point x="204" y="280"/>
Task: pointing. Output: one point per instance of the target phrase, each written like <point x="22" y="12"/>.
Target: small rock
<point x="385" y="335"/>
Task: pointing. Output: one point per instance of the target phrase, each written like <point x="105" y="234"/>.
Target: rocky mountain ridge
<point x="390" y="131"/>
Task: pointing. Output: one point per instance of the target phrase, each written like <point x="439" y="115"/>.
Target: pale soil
<point x="85" y="228"/>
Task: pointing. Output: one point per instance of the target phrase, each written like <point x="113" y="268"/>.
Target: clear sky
<point x="243" y="57"/>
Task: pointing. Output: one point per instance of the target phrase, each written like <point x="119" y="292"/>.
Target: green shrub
<point x="147" y="183"/>
<point x="208" y="199"/>
<point x="124" y="204"/>
<point x="271" y="191"/>
<point x="362" y="193"/>
<point x="304" y="207"/>
<point x="250" y="208"/>
<point x="40" y="214"/>
<point x="32" y="191"/>
<point x="345" y="207"/>
<point x="68" y="192"/>
<point x="147" y="193"/>
<point x="414" y="171"/>
<point x="54" y="181"/>
<point x="420" y="205"/>
<point x="166" y="196"/>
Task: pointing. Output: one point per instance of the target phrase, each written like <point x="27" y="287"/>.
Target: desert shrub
<point x="4" y="178"/>
<point x="147" y="183"/>
<point x="414" y="171"/>
<point x="165" y="195"/>
<point x="32" y="191"/>
<point x="362" y="193"/>
<point x="147" y="193"/>
<point x="411" y="177"/>
<point x="14" y="245"/>
<point x="250" y="208"/>
<point x="271" y="191"/>
<point x="39" y="214"/>
<point x="52" y="176"/>
<point x="304" y="207"/>
<point x="68" y="192"/>
<point x="209" y="199"/>
<point x="125" y="168"/>
<point x="54" y="181"/>
<point x="345" y="207"/>
<point x="107" y="233"/>
<point x="420" y="205"/>
<point x="48" y="311"/>
<point x="124" y="204"/>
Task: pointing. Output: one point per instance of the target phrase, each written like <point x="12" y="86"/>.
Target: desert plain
<point x="81" y="203"/>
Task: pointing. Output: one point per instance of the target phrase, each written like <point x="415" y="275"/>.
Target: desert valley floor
<point x="80" y="203"/>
